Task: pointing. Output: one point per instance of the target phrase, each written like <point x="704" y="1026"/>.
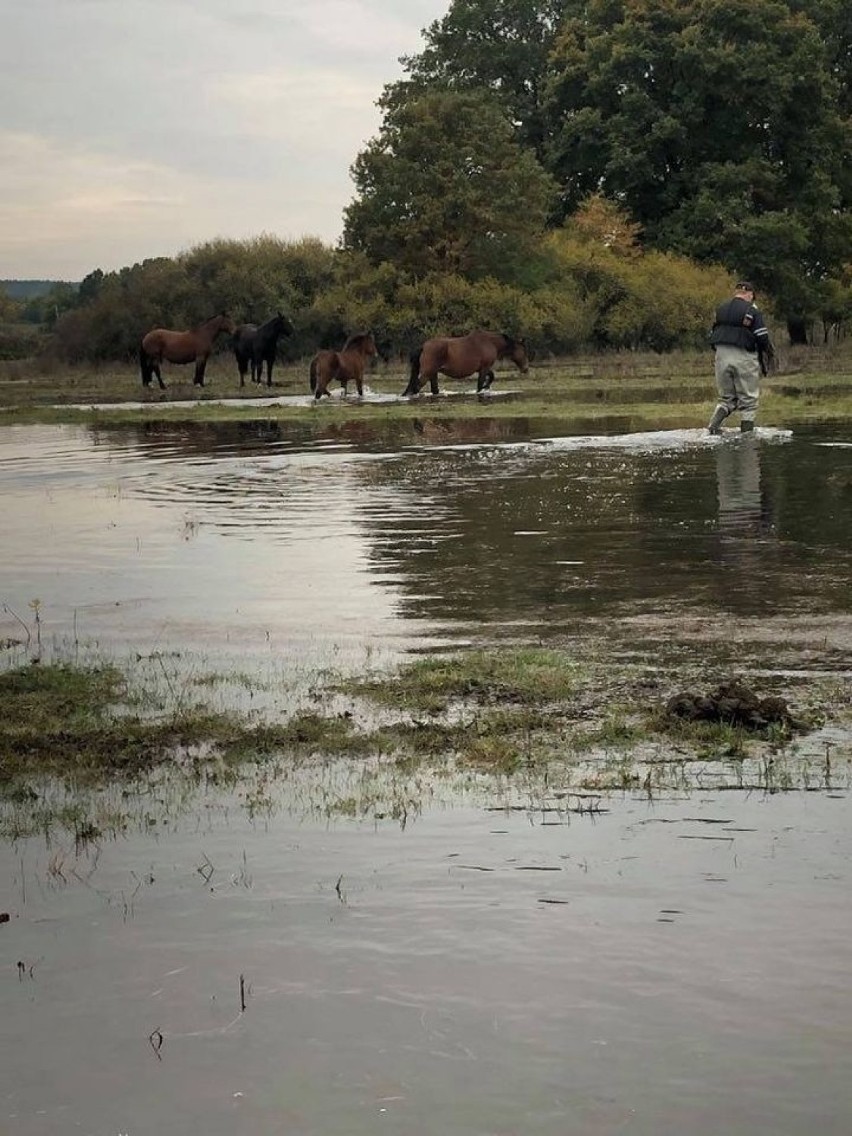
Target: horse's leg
<point x="269" y="361"/>
<point x="433" y="382"/>
<point x="486" y="378"/>
<point x="144" y="367"/>
<point x="200" y="364"/>
<point x="359" y="385"/>
<point x="156" y="369"/>
<point x="414" y="374"/>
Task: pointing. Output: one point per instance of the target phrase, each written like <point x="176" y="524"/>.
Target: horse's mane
<point x="218" y="315"/>
<point x="277" y="318"/>
<point x="357" y="339"/>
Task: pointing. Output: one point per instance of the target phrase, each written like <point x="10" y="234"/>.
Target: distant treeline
<point x="589" y="286"/>
<point x="30" y="289"/>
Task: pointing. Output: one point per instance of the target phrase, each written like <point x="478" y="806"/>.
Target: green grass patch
<point x="64" y="720"/>
<point x="643" y="390"/>
<point x="530" y="712"/>
<point x="513" y="675"/>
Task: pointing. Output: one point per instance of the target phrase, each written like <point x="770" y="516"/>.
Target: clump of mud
<point x="735" y="704"/>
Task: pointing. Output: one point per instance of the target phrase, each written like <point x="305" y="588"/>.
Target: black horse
<point x="254" y="346"/>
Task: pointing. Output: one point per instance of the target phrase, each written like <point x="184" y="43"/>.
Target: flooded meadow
<point x="638" y="935"/>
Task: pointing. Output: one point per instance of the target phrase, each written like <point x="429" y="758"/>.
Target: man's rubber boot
<point x="719" y="416"/>
<point x="746" y="426"/>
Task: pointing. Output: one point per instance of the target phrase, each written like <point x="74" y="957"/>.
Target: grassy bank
<point x="641" y="389"/>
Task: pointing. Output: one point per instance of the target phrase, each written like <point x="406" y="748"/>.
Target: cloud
<point x="296" y="108"/>
<point x="74" y="210"/>
<point x="139" y="128"/>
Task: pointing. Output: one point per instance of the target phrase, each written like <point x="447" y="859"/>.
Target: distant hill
<point x="29" y="289"/>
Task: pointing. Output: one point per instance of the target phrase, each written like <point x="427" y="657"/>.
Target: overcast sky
<point x="136" y="128"/>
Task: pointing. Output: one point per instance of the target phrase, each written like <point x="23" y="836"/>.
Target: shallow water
<point x="247" y="540"/>
<point x="668" y="965"/>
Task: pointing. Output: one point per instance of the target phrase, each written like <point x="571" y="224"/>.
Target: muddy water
<point x="248" y="540"/>
<point x="671" y="965"/>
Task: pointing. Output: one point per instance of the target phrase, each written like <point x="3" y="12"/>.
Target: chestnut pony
<point x="464" y="355"/>
<point x="181" y="347"/>
<point x="344" y="365"/>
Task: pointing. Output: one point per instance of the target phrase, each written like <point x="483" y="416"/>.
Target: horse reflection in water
<point x="346" y="365"/>
<point x="464" y="355"/>
<point x="180" y="347"/>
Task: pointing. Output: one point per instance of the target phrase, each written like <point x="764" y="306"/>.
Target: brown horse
<point x="462" y="356"/>
<point x="345" y="365"/>
<point x="181" y="347"/>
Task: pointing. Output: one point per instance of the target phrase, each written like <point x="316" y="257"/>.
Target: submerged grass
<point x="649" y="390"/>
<point x="515" y="675"/>
<point x="514" y="713"/>
<point x="61" y="720"/>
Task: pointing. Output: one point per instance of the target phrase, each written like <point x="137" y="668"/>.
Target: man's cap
<point x="745" y="286"/>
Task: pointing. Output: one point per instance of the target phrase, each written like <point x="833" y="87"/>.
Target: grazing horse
<point x="254" y="346"/>
<point x="345" y="365"/>
<point x="462" y="356"/>
<point x="181" y="347"/>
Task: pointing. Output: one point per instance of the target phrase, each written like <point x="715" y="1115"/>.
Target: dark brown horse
<point x="462" y="356"/>
<point x="181" y="347"/>
<point x="254" y="346"/>
<point x="345" y="365"/>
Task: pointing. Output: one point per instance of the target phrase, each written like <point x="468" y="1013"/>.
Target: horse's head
<point x="516" y="350"/>
<point x="363" y="343"/>
<point x="283" y="324"/>
<point x="224" y="323"/>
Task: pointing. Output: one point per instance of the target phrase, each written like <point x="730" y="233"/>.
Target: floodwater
<point x="245" y="540"/>
<point x="499" y="963"/>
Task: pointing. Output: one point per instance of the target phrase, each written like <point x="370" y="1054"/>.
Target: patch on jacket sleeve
<point x="748" y="319"/>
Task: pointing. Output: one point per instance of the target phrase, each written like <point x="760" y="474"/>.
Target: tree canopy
<point x="718" y="124"/>
<point x="447" y="187"/>
<point x="721" y="128"/>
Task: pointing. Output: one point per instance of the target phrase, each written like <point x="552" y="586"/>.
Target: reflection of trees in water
<point x="783" y="533"/>
<point x="525" y="537"/>
<point x="530" y="534"/>
<point x="700" y="528"/>
<point x="163" y="439"/>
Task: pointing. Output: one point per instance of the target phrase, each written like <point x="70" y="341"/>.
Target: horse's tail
<point x="314" y="373"/>
<point x="145" y="366"/>
<point x="414" y="371"/>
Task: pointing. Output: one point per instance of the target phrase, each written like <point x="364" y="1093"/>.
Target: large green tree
<point x="501" y="46"/>
<point x="445" y="186"/>
<point x="719" y="124"/>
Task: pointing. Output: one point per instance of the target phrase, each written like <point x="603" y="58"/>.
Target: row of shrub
<point x="590" y="287"/>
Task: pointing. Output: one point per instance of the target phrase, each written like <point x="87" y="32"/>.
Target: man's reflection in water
<point x="745" y="520"/>
<point x="741" y="510"/>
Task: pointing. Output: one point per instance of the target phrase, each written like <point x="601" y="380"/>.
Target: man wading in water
<point x="743" y="347"/>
